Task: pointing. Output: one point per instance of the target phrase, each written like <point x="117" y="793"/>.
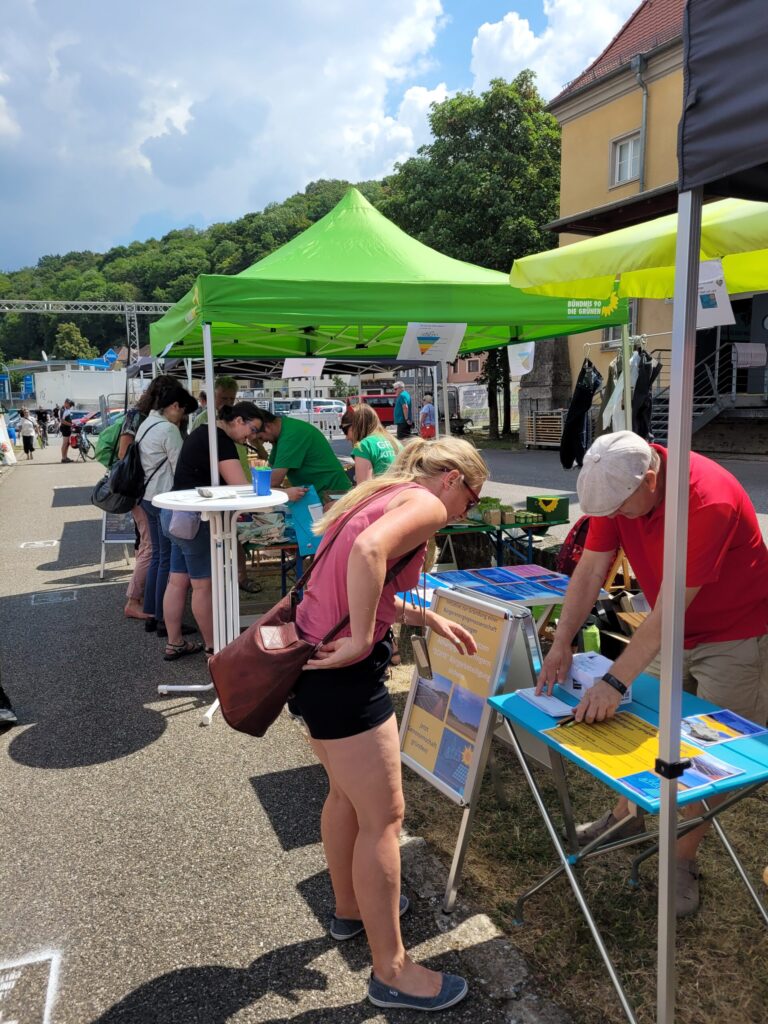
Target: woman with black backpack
<point x="159" y="442"/>
<point x="134" y="417"/>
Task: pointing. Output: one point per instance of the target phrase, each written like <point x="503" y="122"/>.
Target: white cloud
<point x="576" y="33"/>
<point x="9" y="127"/>
<point x="178" y="112"/>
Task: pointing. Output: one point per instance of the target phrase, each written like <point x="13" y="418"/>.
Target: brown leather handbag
<point x="255" y="674"/>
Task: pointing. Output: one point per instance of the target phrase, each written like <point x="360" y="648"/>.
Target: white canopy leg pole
<point x="213" y="448"/>
<point x="188" y="367"/>
<point x="218" y="581"/>
<point x="434" y="400"/>
<point x="626" y="355"/>
<point x="446" y="404"/>
<point x="673" y="587"/>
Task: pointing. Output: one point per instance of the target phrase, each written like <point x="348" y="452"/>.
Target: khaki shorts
<point x="733" y="674"/>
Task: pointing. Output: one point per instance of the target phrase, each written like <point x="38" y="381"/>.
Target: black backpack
<point x="124" y="485"/>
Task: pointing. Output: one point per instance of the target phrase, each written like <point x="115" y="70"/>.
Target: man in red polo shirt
<point x="622" y="487"/>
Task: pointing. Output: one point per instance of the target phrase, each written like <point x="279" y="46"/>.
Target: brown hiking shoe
<point x="592" y="830"/>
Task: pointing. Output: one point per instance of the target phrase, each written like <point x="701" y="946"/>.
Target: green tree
<point x="483" y="188"/>
<point x="340" y="389"/>
<point x="70" y="344"/>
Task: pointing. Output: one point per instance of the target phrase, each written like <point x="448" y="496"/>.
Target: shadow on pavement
<point x="65" y="497"/>
<point x="281" y="793"/>
<point x="213" y="995"/>
<point x="79" y="546"/>
<point x="79" y="680"/>
<point x="91" y="736"/>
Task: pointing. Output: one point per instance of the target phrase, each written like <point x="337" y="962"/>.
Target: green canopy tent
<point x="346" y="289"/>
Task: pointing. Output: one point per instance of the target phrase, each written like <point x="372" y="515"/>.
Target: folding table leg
<point x="739" y="866"/>
<point x="561" y="784"/>
<point x="570" y="874"/>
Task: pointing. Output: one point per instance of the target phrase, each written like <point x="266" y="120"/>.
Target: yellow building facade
<point x="619" y="167"/>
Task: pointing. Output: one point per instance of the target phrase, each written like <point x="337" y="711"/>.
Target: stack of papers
<point x="552" y="706"/>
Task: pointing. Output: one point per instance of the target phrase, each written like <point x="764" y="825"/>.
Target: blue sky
<point x="121" y="122"/>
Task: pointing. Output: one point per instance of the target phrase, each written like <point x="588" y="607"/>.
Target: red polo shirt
<point x="727" y="556"/>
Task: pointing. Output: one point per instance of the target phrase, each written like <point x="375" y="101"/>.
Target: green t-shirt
<point x="378" y="450"/>
<point x="303" y="450"/>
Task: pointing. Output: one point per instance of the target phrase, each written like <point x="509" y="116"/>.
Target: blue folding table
<point x="523" y="721"/>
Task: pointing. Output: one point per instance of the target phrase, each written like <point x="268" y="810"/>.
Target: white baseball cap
<point x="398" y="384"/>
<point x="613" y="469"/>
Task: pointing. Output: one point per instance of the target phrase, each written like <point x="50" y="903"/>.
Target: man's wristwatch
<point x="615" y="683"/>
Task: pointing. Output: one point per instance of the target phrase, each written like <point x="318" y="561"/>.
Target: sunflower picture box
<point x="555" y="508"/>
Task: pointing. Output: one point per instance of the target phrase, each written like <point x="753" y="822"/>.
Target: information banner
<point x="118" y="529"/>
<point x="431" y="343"/>
<point x="446" y="721"/>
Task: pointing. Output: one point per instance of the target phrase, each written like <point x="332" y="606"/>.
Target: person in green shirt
<point x="373" y="449"/>
<point x="301" y="451"/>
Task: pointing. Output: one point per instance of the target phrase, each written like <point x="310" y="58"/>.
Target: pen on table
<point x="565" y="722"/>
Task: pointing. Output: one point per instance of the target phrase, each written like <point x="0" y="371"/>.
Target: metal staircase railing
<point x="713" y="391"/>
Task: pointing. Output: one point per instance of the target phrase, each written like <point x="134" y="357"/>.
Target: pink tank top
<point x="325" y="597"/>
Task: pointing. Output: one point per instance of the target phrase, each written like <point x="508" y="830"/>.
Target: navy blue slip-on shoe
<point x="452" y="991"/>
<point x="343" y="928"/>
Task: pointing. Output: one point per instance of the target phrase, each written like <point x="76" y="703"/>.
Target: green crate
<point x="554" y="508"/>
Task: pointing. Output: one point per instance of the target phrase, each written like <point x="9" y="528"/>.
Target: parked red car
<point x="382" y="404"/>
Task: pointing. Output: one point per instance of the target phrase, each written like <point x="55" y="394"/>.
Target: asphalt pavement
<point x="153" y="870"/>
<point x="156" y="871"/>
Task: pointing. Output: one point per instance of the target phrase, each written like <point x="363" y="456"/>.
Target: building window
<point x="473" y="366"/>
<point x="625" y="159"/>
<point x="612" y="335"/>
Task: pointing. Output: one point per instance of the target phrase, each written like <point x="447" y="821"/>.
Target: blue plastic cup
<point x="261" y="481"/>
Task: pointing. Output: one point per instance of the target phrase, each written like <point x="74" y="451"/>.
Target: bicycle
<point x="85" y="448"/>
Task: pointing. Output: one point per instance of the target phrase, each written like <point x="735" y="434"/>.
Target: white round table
<point x="221" y="511"/>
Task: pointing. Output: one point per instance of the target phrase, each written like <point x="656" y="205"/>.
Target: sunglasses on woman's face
<point x="475" y="498"/>
<point x="345" y="428"/>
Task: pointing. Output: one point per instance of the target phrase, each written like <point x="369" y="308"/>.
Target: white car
<point x="303" y="407"/>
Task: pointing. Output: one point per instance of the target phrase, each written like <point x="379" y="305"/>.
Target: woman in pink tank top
<point x="346" y="707"/>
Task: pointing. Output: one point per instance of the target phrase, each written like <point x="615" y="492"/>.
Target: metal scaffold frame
<point x="131" y="311"/>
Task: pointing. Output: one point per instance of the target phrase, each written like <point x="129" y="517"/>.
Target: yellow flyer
<point x="619" y="747"/>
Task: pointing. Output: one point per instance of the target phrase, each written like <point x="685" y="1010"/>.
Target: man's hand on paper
<point x="598" y="703"/>
<point x="555" y="667"/>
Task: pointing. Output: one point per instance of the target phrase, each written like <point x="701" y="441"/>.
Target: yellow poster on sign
<point x="444" y="712"/>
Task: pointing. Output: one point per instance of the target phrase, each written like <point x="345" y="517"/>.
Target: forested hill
<point x="158" y="270"/>
<point x="479" y="192"/>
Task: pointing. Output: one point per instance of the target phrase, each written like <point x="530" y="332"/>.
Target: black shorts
<point x="340" y="702"/>
<point x="29" y="444"/>
<point x="66" y="430"/>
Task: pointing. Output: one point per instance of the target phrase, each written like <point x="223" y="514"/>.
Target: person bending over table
<point x="301" y="450"/>
<point x="373" y="449"/>
<point x="622" y="486"/>
<point x="225" y="393"/>
<point x="191" y="559"/>
<point x="347" y="710"/>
